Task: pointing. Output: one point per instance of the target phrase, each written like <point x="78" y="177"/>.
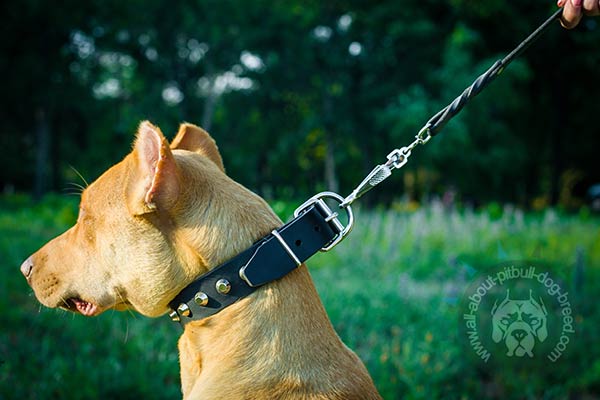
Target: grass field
<point x="393" y="290"/>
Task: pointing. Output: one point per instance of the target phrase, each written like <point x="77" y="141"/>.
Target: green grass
<point x="392" y="290"/>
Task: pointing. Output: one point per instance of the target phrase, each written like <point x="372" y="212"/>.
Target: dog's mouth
<point x="83" y="307"/>
<point x="89" y="309"/>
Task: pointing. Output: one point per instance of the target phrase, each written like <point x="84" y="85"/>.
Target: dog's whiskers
<point x="120" y="295"/>
<point x="126" y="331"/>
<point x="72" y="194"/>
<point x="74" y="189"/>
<point x="129" y="312"/>
<point x="80" y="177"/>
<point x="75" y="185"/>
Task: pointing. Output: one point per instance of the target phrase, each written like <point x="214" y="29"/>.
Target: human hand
<point x="574" y="10"/>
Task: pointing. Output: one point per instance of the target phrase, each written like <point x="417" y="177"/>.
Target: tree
<point x="301" y="96"/>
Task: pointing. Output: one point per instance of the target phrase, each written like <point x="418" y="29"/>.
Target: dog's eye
<point x="531" y="320"/>
<point x="509" y="319"/>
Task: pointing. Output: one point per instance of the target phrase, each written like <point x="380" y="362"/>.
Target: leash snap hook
<point x="330" y="216"/>
<point x="424" y="135"/>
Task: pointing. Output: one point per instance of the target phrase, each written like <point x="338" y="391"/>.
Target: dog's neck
<point x="276" y="335"/>
<point x="274" y="343"/>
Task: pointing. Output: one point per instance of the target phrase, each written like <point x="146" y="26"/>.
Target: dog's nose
<point x="519" y="334"/>
<point x="27" y="267"/>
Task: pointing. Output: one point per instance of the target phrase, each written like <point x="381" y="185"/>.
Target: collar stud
<point x="201" y="299"/>
<point x="223" y="286"/>
<point x="184" y="310"/>
<point x="174" y="316"/>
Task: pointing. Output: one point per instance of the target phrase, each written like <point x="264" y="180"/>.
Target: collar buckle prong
<point x="330" y="216"/>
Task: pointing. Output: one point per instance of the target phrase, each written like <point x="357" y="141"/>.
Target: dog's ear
<point x="542" y="331"/>
<point x="155" y="183"/>
<point x="496" y="332"/>
<point x="193" y="138"/>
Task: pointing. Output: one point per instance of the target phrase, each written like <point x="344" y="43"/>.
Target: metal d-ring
<point x="330" y="216"/>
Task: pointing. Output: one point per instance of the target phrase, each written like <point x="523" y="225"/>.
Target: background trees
<point x="303" y="96"/>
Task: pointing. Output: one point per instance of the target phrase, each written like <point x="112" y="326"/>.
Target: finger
<point x="591" y="7"/>
<point x="572" y="13"/>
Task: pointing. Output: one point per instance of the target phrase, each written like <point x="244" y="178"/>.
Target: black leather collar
<point x="271" y="258"/>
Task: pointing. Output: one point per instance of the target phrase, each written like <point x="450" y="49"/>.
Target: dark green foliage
<point x="335" y="87"/>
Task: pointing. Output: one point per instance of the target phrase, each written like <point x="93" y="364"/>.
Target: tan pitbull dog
<point x="158" y="220"/>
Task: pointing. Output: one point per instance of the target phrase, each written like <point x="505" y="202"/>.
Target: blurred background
<point x="304" y="96"/>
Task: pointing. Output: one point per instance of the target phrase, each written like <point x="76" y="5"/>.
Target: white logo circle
<point x="516" y="312"/>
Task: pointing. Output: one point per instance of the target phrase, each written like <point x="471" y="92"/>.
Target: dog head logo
<point x="518" y="323"/>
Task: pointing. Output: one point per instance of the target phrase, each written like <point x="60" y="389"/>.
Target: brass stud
<point x="201" y="299"/>
<point x="223" y="286"/>
<point x="184" y="310"/>
<point x="174" y="316"/>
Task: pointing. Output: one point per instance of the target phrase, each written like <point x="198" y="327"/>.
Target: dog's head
<point x="147" y="227"/>
<point x="518" y="323"/>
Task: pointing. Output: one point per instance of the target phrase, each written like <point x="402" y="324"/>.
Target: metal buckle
<point x="332" y="217"/>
